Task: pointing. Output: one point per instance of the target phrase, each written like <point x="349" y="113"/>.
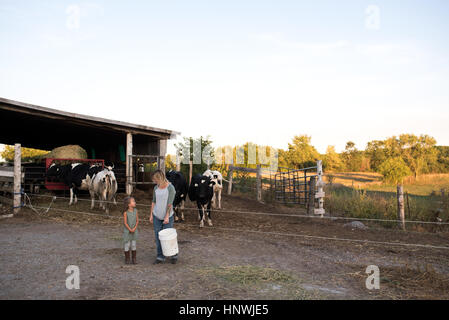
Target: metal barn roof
<point x="84" y="120"/>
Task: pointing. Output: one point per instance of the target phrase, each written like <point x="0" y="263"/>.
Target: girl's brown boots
<point x="134" y="256"/>
<point x="127" y="260"/>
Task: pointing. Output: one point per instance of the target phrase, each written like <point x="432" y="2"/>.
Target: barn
<point x="128" y="146"/>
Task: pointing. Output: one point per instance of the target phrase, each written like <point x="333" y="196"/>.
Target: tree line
<point x="395" y="157"/>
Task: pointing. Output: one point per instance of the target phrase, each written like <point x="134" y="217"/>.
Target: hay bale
<point x="69" y="151"/>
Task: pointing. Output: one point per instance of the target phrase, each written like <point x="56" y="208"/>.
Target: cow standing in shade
<point x="218" y="186"/>
<point x="74" y="175"/>
<point x="81" y="176"/>
<point x="177" y="179"/>
<point x="201" y="191"/>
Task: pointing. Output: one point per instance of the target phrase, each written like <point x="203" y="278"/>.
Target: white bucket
<point x="169" y="241"/>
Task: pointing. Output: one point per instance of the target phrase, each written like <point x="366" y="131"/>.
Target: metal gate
<point x="292" y="185"/>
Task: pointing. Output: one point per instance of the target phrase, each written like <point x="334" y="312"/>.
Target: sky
<point x="238" y="71"/>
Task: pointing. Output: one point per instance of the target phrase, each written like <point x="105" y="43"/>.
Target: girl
<point x="130" y="234"/>
<point x="162" y="210"/>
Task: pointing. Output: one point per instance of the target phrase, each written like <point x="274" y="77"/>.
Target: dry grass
<point x="272" y="282"/>
<point x="247" y="274"/>
<point x="423" y="185"/>
<point x="405" y="283"/>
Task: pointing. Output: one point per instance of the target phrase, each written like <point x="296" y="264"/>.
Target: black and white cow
<point x="201" y="190"/>
<point x="178" y="181"/>
<point x="74" y="175"/>
<point x="218" y="186"/>
<point x="81" y="176"/>
<point x="103" y="184"/>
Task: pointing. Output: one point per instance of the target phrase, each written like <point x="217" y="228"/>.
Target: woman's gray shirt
<point x="161" y="199"/>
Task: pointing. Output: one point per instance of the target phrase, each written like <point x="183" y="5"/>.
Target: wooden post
<point x="190" y="170"/>
<point x="259" y="183"/>
<point x="408" y="204"/>
<point x="162" y="153"/>
<point x="230" y="174"/>
<point x="129" y="163"/>
<point x="305" y="188"/>
<point x="401" y="211"/>
<point x="320" y="190"/>
<point x="311" y="198"/>
<point x="17" y="177"/>
<point x="444" y="199"/>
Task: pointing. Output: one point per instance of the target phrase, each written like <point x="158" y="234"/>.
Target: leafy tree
<point x="170" y="162"/>
<point x="27" y="153"/>
<point x="332" y="160"/>
<point x="418" y="152"/>
<point x="352" y="158"/>
<point x="442" y="163"/>
<point x="376" y="153"/>
<point x="300" y="153"/>
<point x="394" y="170"/>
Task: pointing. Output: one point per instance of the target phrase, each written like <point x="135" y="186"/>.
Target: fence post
<point x="401" y="210"/>
<point x="230" y="173"/>
<point x="444" y="199"/>
<point x="259" y="183"/>
<point x="17" y="177"/>
<point x="311" y="198"/>
<point x="320" y="184"/>
<point x="408" y="204"/>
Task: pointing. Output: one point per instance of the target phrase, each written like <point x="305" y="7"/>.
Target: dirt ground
<point x="222" y="262"/>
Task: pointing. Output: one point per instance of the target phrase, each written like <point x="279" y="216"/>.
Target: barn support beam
<point x="129" y="165"/>
<point x="162" y="153"/>
<point x="17" y="177"/>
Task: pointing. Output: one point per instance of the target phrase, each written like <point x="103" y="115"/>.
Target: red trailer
<point x="54" y="185"/>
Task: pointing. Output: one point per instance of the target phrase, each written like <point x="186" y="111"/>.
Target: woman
<point x="161" y="215"/>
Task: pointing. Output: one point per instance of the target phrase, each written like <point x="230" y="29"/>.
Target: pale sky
<point x="259" y="71"/>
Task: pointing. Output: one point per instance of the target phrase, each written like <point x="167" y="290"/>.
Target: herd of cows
<point x="101" y="183"/>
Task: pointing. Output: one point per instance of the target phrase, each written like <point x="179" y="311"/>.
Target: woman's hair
<point x="160" y="175"/>
<point x="126" y="202"/>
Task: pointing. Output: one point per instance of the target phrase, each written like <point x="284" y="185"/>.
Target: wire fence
<point x="39" y="209"/>
<point x="275" y="214"/>
<point x="283" y="234"/>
